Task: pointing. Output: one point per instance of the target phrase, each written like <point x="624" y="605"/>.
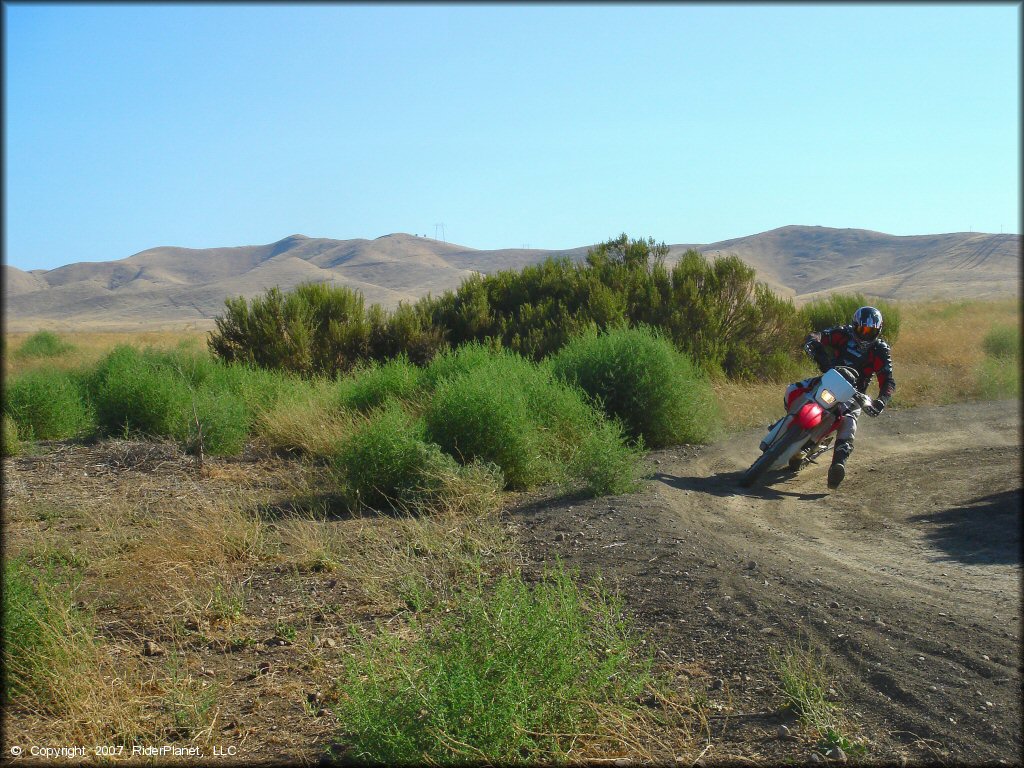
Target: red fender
<point x="809" y="416"/>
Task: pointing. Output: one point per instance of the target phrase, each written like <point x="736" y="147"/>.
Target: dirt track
<point x="909" y="575"/>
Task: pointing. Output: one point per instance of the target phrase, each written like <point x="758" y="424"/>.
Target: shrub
<point x="512" y="674"/>
<point x="838" y="308"/>
<point x="455" y="362"/>
<point x="635" y="375"/>
<point x="11" y="446"/>
<point x="372" y="385"/>
<point x="716" y="312"/>
<point x="218" y="422"/>
<point x="498" y="407"/>
<point x="485" y="414"/>
<point x="47" y="404"/>
<point x="134" y="393"/>
<point x="606" y="464"/>
<point x="1003" y="341"/>
<point x="47" y="643"/>
<point x="386" y="463"/>
<point x="44" y="344"/>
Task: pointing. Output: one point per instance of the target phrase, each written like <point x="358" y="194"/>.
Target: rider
<point x="858" y="346"/>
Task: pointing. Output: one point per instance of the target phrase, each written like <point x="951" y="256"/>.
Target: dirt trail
<point x="909" y="575"/>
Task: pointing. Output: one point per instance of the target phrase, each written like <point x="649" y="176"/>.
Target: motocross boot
<point x="837" y="471"/>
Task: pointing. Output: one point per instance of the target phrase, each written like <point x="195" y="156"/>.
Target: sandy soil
<point x="908" y="576"/>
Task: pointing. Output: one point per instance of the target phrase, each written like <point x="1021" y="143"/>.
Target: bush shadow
<point x="727" y="484"/>
<point x="985" y="531"/>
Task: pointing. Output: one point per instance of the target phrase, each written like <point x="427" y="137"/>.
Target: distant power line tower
<point x="441" y="228"/>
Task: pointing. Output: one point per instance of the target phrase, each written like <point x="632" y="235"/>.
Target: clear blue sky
<point x="133" y="126"/>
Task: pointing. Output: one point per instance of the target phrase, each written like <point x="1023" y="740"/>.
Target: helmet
<point x="867" y="325"/>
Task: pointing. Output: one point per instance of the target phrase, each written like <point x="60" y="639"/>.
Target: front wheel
<point x="770" y="456"/>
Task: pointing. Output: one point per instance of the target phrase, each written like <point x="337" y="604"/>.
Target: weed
<point x="514" y="673"/>
<point x="386" y="462"/>
<point x="805" y="678"/>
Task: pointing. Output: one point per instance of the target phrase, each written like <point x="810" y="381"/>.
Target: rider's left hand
<point x="875" y="407"/>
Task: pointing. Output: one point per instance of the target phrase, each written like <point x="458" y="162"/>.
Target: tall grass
<point x="636" y="376"/>
<point x="512" y="674"/>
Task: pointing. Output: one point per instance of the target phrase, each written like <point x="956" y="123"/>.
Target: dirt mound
<point x="908" y="575"/>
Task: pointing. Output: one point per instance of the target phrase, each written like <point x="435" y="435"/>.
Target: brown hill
<point x="174" y="287"/>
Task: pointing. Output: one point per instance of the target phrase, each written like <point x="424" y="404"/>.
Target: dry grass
<point x="310" y="422"/>
<point x="937" y="360"/>
<point x="90" y="346"/>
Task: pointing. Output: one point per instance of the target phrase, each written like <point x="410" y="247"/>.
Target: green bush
<point x="48" y="404"/>
<point x="387" y="463"/>
<point x="486" y="414"/>
<point x="134" y="393"/>
<point x="43" y="344"/>
<point x="11" y="446"/>
<point x="838" y="308"/>
<point x="1002" y="341"/>
<point x="452" y="363"/>
<point x="606" y="464"/>
<point x="497" y="407"/>
<point x="371" y="386"/>
<point x="715" y="312"/>
<point x="512" y="674"/>
<point x="46" y="641"/>
<point x="636" y="376"/>
<point x="218" y="422"/>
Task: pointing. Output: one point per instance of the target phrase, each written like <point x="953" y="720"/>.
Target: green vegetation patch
<point x="44" y="344"/>
<point x="636" y="376"/>
<point x="11" y="445"/>
<point x="387" y="462"/>
<point x="1003" y="341"/>
<point x="375" y="383"/>
<point x="716" y="312"/>
<point x="838" y="308"/>
<point x="46" y="641"/>
<point x="48" y="404"/>
<point x="512" y="674"/>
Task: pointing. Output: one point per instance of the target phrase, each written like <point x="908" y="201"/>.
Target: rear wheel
<point x="770" y="456"/>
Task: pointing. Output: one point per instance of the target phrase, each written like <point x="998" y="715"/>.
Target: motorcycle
<point x="807" y="430"/>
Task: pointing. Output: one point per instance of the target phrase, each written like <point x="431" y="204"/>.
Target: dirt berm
<point x="908" y="577"/>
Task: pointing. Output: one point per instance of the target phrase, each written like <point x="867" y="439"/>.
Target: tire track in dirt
<point x="909" y="576"/>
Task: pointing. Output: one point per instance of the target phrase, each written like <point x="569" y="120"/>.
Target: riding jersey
<point x="837" y="346"/>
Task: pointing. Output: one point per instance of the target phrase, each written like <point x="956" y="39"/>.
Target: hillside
<point x="174" y="287"/>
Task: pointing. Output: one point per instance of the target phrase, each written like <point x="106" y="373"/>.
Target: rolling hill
<point x="178" y="287"/>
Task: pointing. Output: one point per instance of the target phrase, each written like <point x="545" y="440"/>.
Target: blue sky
<point x="133" y="126"/>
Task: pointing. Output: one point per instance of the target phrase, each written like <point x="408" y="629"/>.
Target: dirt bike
<point x="807" y="430"/>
